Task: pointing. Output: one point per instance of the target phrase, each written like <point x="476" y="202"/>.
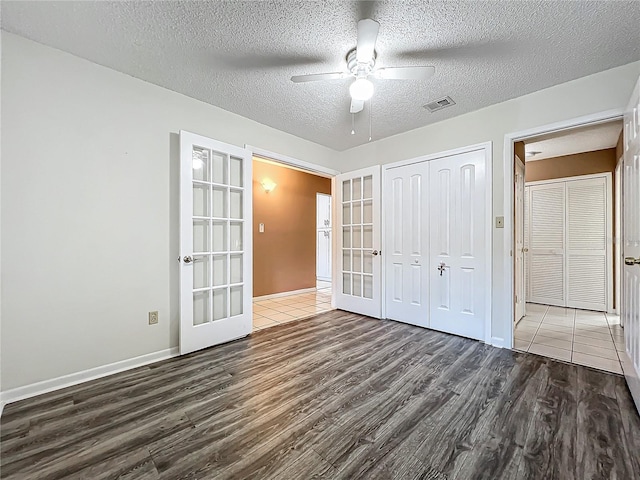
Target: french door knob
<point x="631" y="261"/>
<point x="374" y="253"/>
<point x="187" y="259"/>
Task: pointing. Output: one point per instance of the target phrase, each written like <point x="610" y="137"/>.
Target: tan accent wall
<point x="572" y="165"/>
<point x="284" y="256"/>
<point x="588" y="163"/>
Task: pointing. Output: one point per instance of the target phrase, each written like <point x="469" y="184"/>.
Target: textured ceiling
<point x="240" y="55"/>
<point x="577" y="140"/>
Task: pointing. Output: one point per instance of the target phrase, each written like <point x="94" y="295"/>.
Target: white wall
<point x="603" y="91"/>
<point x="89" y="204"/>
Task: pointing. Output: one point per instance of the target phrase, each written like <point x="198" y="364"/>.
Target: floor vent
<point x="439" y="104"/>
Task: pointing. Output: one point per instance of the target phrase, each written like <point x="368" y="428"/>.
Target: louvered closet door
<point x="546" y="244"/>
<point x="527" y="280"/>
<point x="587" y="241"/>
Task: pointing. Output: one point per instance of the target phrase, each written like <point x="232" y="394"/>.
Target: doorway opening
<point x="291" y="243"/>
<point x="566" y="227"/>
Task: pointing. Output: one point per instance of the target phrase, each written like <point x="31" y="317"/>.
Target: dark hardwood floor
<point x="338" y="396"/>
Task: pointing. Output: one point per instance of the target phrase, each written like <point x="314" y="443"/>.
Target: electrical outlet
<point x="153" y="318"/>
<point x="499" y="222"/>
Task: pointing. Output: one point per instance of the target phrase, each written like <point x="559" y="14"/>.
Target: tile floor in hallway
<point x="275" y="311"/>
<point x="583" y="337"/>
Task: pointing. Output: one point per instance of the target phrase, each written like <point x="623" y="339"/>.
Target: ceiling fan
<point x="361" y="62"/>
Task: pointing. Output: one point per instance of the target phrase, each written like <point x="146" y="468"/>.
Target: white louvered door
<point x="588" y="243"/>
<point x="527" y="281"/>
<point x="547" y="244"/>
<point x="631" y="224"/>
<point x="407" y="243"/>
<point x="519" y="236"/>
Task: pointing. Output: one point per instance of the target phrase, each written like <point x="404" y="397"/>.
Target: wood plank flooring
<point x="338" y="396"/>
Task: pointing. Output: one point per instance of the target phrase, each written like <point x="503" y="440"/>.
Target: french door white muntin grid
<point x="216" y="286"/>
<point x="357" y="237"/>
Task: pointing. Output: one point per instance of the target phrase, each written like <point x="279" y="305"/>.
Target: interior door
<point x="631" y="207"/>
<point x="215" y="242"/>
<point x="588" y="246"/>
<point x="323" y="255"/>
<point x="519" y="236"/>
<point x="458" y="259"/>
<point x="547" y="243"/>
<point x="407" y="243"/>
<point x="357" y="230"/>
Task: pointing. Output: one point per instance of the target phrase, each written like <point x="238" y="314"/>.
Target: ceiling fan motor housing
<point x="360" y="69"/>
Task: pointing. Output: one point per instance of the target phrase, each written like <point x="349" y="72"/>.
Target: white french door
<point x="357" y="231"/>
<point x="459" y="263"/>
<point x="215" y="242"/>
<point x="406" y="243"/>
<point x="519" y="236"/>
<point x="631" y="226"/>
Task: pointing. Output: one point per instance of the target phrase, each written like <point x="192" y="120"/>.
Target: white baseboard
<point x="498" y="342"/>
<point x="27" y="391"/>
<point x="285" y="294"/>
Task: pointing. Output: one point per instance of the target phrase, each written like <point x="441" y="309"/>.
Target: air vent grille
<point x="439" y="104"/>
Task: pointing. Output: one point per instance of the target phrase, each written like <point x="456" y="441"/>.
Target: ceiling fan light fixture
<point x="361" y="89"/>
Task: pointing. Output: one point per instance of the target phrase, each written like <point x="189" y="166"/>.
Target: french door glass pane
<point x="367" y="286"/>
<point x="367" y="189"/>
<point x="220" y="202"/>
<point x="201" y="271"/>
<point x="219" y="168"/>
<point x="235" y="268"/>
<point x="201" y="164"/>
<point x="200" y="307"/>
<point x="219" y="236"/>
<point x="219" y="298"/>
<point x="236" y="300"/>
<point x="236" y="172"/>
<point x="235" y="203"/>
<point x="346" y="283"/>
<point x="201" y="236"/>
<point x="236" y="236"/>
<point x="219" y="270"/>
<point x="200" y="200"/>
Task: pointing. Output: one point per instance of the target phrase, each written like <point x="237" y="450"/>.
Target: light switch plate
<point x="261" y="228"/>
<point x="499" y="222"/>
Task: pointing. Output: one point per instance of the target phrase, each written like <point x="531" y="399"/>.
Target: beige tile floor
<point x="279" y="310"/>
<point x="577" y="336"/>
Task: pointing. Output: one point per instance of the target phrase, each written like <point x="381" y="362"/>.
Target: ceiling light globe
<point x="361" y="89"/>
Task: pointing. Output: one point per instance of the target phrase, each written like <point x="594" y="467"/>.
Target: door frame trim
<point x="508" y="306"/>
<point x="488" y="151"/>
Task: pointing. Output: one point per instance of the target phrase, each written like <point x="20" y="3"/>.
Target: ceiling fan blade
<point x="405" y="73"/>
<point x="367" y="35"/>
<point x="315" y="77"/>
<point x="356" y="106"/>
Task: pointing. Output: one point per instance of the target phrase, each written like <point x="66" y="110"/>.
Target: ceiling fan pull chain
<point x="370" y="110"/>
<point x="353" y="130"/>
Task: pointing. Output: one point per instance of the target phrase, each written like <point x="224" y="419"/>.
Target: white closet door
<point x="547" y="243"/>
<point x="588" y="230"/>
<point x="519" y="237"/>
<point x="323" y="255"/>
<point x="458" y="255"/>
<point x="406" y="244"/>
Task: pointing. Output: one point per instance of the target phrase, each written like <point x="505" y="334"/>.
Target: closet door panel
<point x="587" y="243"/>
<point x="547" y="244"/>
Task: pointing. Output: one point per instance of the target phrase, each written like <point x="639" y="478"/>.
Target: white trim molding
<point x="292" y="162"/>
<point x="508" y="169"/>
<point x="46" y="386"/>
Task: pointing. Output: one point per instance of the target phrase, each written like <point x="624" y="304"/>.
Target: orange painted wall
<point x="284" y="256"/>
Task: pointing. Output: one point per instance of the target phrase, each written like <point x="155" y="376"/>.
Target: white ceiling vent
<point x="439" y="104"/>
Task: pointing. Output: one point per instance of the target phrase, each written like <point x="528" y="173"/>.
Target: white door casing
<point x="546" y="244"/>
<point x="519" y="236"/>
<point x="216" y="285"/>
<point x="406" y="243"/>
<point x="459" y="263"/>
<point x="630" y="358"/>
<point x="357" y="280"/>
